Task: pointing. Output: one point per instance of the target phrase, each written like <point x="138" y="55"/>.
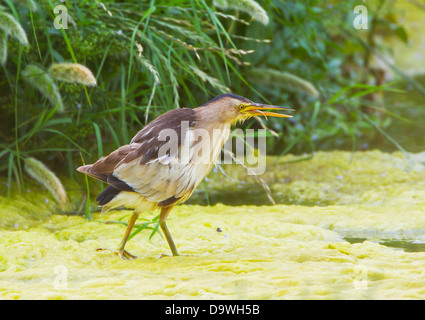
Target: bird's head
<point x="231" y="108"/>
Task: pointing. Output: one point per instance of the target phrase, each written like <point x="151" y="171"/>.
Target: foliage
<point x="72" y="72"/>
<point x="250" y="7"/>
<point x="12" y="27"/>
<point x="151" y="56"/>
<point x="46" y="177"/>
<point x="44" y="83"/>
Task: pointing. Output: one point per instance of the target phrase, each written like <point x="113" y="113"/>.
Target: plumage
<point x="166" y="160"/>
<point x="107" y="195"/>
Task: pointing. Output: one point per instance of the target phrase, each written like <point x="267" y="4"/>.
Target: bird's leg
<point x="165" y="211"/>
<point x="121" y="252"/>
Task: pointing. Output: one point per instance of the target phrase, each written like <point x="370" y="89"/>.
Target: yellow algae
<point x="336" y="177"/>
<point x="293" y="250"/>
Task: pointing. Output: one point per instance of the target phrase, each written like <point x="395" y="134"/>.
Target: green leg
<point x="165" y="211"/>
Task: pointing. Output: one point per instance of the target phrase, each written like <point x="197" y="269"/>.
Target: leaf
<point x="3" y="47"/>
<point x="284" y="80"/>
<point x="211" y="80"/>
<point x="250" y="7"/>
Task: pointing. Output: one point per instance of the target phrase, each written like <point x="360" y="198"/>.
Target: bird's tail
<point x="108" y="194"/>
<point x="87" y="169"/>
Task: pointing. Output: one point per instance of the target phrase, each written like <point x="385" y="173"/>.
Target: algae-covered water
<point x="345" y="226"/>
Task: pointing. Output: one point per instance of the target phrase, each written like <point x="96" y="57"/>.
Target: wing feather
<point x="156" y="177"/>
<point x="138" y="167"/>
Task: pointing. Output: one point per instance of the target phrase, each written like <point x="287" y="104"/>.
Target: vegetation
<point x="85" y="90"/>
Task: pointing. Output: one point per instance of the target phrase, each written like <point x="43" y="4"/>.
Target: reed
<point x="284" y="80"/>
<point x="44" y="83"/>
<point x="30" y="4"/>
<point x="3" y="47"/>
<point x="72" y="73"/>
<point x="250" y="7"/>
<point x="43" y="175"/>
<point x="13" y="28"/>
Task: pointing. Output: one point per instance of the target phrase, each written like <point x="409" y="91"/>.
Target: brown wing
<point x="133" y="167"/>
<point x="159" y="177"/>
<point x="104" y="167"/>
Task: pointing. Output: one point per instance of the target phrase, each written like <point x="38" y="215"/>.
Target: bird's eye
<point x="241" y="106"/>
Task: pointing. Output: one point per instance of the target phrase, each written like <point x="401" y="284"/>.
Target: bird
<point x="166" y="160"/>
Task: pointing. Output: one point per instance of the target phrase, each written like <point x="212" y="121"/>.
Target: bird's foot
<point x="125" y="255"/>
<point x="122" y="254"/>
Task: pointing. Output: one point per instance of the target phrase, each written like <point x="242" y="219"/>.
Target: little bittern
<point x="164" y="163"/>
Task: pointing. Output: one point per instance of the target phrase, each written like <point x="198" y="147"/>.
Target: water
<point x="407" y="245"/>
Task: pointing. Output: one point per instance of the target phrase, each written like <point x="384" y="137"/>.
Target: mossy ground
<point x="296" y="249"/>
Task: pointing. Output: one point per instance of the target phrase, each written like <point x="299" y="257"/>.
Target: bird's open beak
<point x="257" y="109"/>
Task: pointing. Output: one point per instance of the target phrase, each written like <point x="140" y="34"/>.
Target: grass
<point x="152" y="225"/>
<point x="147" y="57"/>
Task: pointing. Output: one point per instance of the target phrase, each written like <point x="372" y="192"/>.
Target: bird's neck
<point x="206" y="141"/>
<point x="216" y="117"/>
